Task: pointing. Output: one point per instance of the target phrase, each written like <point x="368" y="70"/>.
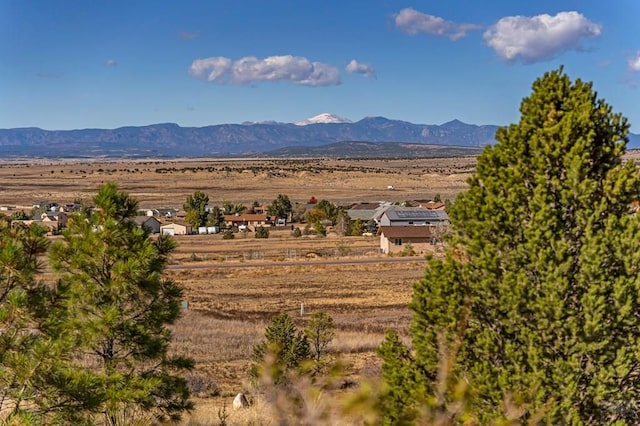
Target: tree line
<point x="316" y="214"/>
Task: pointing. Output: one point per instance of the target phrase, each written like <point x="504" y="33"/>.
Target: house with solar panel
<point x="412" y="216"/>
<point x="421" y="228"/>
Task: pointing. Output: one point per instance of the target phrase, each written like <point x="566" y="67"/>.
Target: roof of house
<point x="365" y="206"/>
<point x="246" y="217"/>
<point x="415" y="213"/>
<point x="141" y="220"/>
<point x="374" y="211"/>
<point x="407" y="231"/>
<point x="432" y="205"/>
<point x="171" y="224"/>
<point x="363" y="211"/>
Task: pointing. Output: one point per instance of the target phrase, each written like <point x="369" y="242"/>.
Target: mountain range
<point x="172" y="140"/>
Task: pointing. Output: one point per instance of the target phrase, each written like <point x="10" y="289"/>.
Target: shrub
<point x="262" y="232"/>
<point x="319" y="229"/>
<point x="407" y="251"/>
<point x="320" y="332"/>
<point x="287" y="347"/>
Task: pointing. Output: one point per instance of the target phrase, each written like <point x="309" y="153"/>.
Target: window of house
<point x="398" y="241"/>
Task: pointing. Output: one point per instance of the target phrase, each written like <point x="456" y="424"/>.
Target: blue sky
<point x="68" y="64"/>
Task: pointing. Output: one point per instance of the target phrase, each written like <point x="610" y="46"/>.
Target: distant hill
<point x="231" y="139"/>
<point x="172" y="140"/>
<point x="375" y="150"/>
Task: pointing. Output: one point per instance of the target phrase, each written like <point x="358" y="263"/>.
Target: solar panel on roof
<point x="410" y="214"/>
<point x="414" y="214"/>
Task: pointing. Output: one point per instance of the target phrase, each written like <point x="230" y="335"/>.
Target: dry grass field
<point x="167" y="183"/>
<point x="233" y="287"/>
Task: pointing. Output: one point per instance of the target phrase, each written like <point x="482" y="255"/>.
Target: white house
<point x="412" y="216"/>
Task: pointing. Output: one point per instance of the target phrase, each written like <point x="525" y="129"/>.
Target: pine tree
<point x="118" y="307"/>
<point x="544" y="260"/>
<point x="25" y="355"/>
<point x="288" y="347"/>
<point x="320" y="331"/>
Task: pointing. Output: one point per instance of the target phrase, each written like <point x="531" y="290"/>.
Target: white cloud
<point x="295" y="69"/>
<point x="110" y="63"/>
<point x="360" y="68"/>
<point x="211" y="69"/>
<point x="188" y="35"/>
<point x="413" y="22"/>
<point x="634" y="63"/>
<point x="539" y="38"/>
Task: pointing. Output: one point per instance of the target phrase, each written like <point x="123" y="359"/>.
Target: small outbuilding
<point x="175" y="229"/>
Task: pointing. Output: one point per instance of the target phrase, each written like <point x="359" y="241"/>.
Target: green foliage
<point x="262" y="232"/>
<point x="196" y="209"/>
<point x="405" y="385"/>
<point x="437" y="198"/>
<point x="216" y="217"/>
<point x="228" y="235"/>
<point x="19" y="215"/>
<point x="328" y="209"/>
<point x="323" y="210"/>
<point x="357" y="227"/>
<point x="297" y="233"/>
<point x="230" y="208"/>
<point x="280" y="207"/>
<point x="36" y="211"/>
<point x="27" y="357"/>
<point x="320" y="332"/>
<point x="253" y="207"/>
<point x="371" y="226"/>
<point x="407" y="250"/>
<point x="319" y="229"/>
<point x="544" y="257"/>
<point x="117" y="309"/>
<point x="288" y="347"/>
<point x="343" y="222"/>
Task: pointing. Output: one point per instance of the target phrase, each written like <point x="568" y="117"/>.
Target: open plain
<point x="166" y="183"/>
<point x="233" y="287"/>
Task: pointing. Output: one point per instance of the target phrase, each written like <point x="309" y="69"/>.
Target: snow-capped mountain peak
<point x="324" y="118"/>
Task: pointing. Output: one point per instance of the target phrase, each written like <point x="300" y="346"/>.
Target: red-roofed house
<point x="251" y="221"/>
